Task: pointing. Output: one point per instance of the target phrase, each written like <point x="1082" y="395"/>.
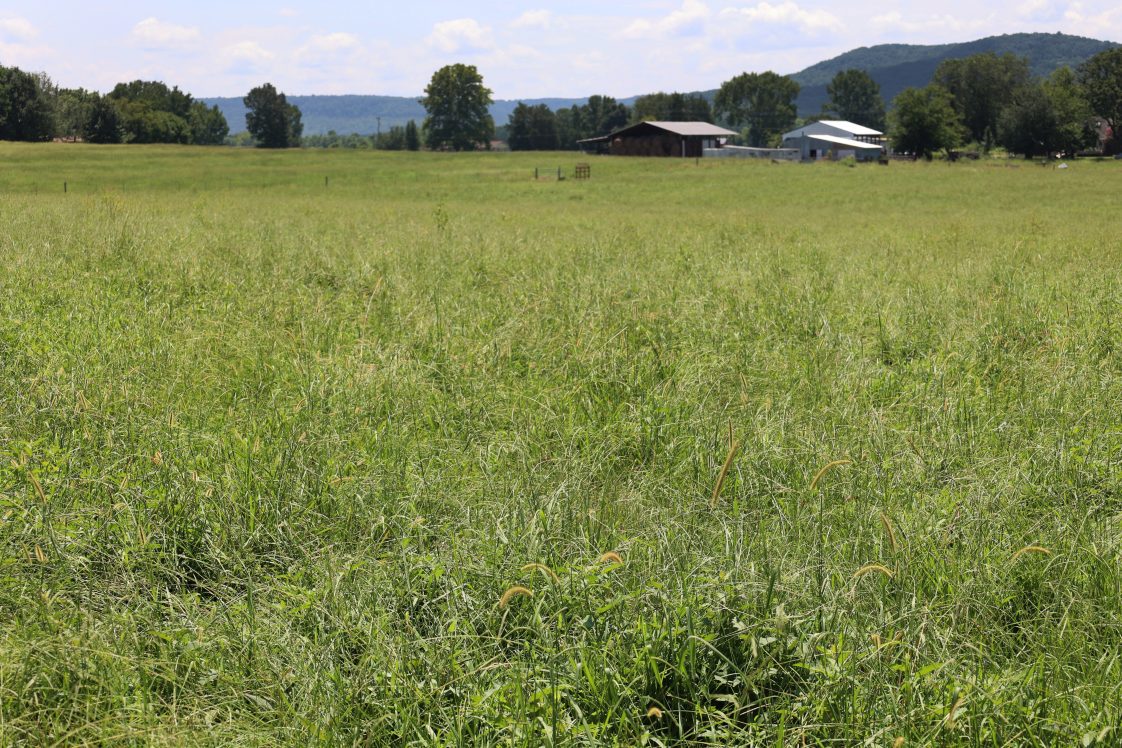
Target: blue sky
<point x="523" y="50"/>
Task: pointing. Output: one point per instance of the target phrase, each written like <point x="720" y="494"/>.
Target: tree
<point x="412" y="137"/>
<point x="1101" y="79"/>
<point x="1028" y="125"/>
<point x="208" y="125"/>
<point x="568" y="128"/>
<point x="25" y="112"/>
<point x="156" y="96"/>
<point x="71" y="110"/>
<point x="672" y="107"/>
<point x="923" y="121"/>
<point x="855" y="97"/>
<point x="1073" y="112"/>
<point x="602" y="115"/>
<point x="532" y="128"/>
<point x="457" y="104"/>
<point x="151" y="112"/>
<point x="103" y="122"/>
<point x="981" y="86"/>
<point x="762" y="102"/>
<point x="271" y="120"/>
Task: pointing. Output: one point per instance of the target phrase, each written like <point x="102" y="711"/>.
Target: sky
<point x="535" y="49"/>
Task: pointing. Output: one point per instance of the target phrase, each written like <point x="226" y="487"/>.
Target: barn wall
<point x="667" y="145"/>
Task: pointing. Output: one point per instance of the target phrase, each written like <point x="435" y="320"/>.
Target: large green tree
<point x="103" y="122"/>
<point x="458" y="104"/>
<point x="981" y="86"/>
<point x="923" y="121"/>
<point x="412" y="137"/>
<point x="1073" y="112"/>
<point x="153" y="112"/>
<point x="208" y="125"/>
<point x="271" y="120"/>
<point x="25" y="111"/>
<point x="762" y="102"/>
<point x="532" y="128"/>
<point x="672" y="107"/>
<point x="1028" y="124"/>
<point x="1101" y="78"/>
<point x="855" y="97"/>
<point x="602" y="115"/>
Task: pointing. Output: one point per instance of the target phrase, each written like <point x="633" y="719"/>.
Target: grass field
<point x="272" y="450"/>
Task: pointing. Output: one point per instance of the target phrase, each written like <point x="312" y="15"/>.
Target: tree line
<point x="989" y="100"/>
<point x="34" y="108"/>
<point x="981" y="101"/>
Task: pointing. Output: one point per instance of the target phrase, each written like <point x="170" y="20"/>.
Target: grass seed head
<point x="1030" y="549"/>
<point x="884" y="520"/>
<point x="38" y="487"/>
<point x="512" y="593"/>
<point x="869" y="568"/>
<point x="654" y="713"/>
<point x="827" y="468"/>
<point x="733" y="449"/>
<point x="611" y="557"/>
<point x="898" y="742"/>
<point x="950" y="719"/>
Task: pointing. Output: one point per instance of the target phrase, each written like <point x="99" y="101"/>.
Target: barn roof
<point x="848" y="143"/>
<point x="685" y="129"/>
<point x="851" y="127"/>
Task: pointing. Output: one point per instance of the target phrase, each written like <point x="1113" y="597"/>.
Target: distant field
<point x="272" y="450"/>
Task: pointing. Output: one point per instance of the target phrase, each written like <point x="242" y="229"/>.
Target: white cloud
<point x="894" y="21"/>
<point x="17" y="28"/>
<point x="153" y="32"/>
<point x="689" y="20"/>
<point x="784" y="14"/>
<point x="533" y="19"/>
<point x="247" y="52"/>
<point x="461" y="35"/>
<point x="331" y="43"/>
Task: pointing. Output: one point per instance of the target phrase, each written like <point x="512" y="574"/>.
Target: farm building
<point x="679" y="139"/>
<point x="836" y="139"/>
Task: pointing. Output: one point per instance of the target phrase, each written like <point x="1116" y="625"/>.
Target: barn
<point x="671" y="139"/>
<point x="836" y="139"/>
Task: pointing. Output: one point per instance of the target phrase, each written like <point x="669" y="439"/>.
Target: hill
<point x="356" y="113"/>
<point x="899" y="66"/>
<point x="894" y="66"/>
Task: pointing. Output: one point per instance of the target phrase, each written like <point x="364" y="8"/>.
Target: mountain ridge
<point x="893" y="66"/>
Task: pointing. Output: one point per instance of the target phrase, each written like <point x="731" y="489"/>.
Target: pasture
<point x="353" y="448"/>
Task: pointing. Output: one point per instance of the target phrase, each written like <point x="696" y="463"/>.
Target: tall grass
<point x="442" y="455"/>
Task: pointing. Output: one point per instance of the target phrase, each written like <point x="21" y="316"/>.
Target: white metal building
<point x="836" y="139"/>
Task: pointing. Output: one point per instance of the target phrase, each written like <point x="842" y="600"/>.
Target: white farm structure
<point x="836" y="139"/>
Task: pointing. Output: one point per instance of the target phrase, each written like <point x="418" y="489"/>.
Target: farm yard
<point x="341" y="448"/>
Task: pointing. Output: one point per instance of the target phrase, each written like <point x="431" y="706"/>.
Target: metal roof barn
<point x="668" y="139"/>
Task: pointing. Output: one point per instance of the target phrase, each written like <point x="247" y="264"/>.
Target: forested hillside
<point x="894" y="66"/>
<point x="899" y="66"/>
